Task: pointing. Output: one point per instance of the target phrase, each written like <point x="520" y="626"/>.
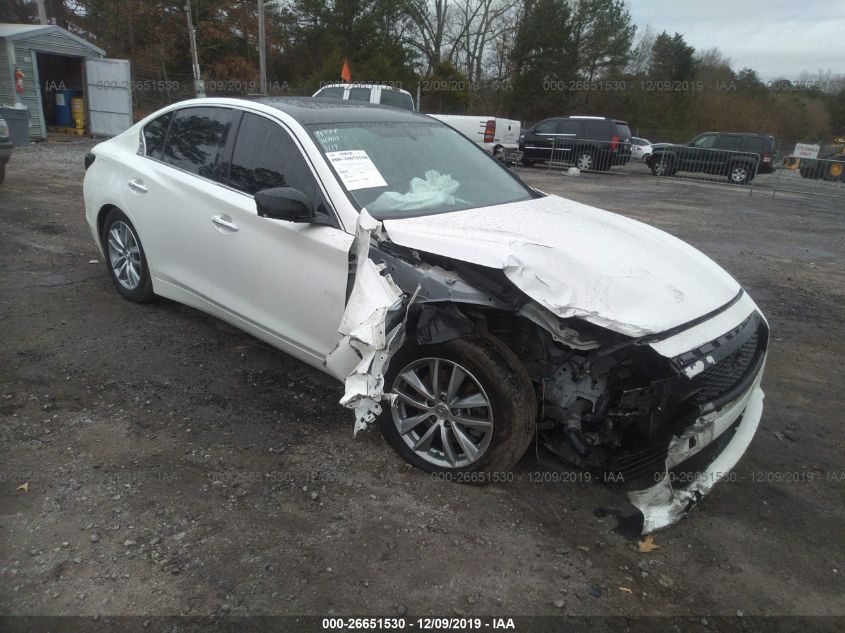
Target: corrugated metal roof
<point x="11" y="32"/>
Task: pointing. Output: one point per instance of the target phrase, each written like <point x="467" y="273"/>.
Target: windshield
<point x="400" y="170"/>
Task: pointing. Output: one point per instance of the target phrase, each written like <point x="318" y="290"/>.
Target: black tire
<point x="505" y="382"/>
<point x="834" y="172"/>
<point x="142" y="290"/>
<point x="740" y="173"/>
<point x="2" y="173"/>
<point x="588" y="159"/>
<point x="662" y="166"/>
<point x="526" y="162"/>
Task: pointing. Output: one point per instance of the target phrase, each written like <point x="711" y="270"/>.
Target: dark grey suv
<point x="739" y="156"/>
<point x="588" y="142"/>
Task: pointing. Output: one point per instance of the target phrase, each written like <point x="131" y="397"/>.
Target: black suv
<point x="738" y="156"/>
<point x="588" y="142"/>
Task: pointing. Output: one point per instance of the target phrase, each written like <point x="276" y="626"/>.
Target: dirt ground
<point x="177" y="466"/>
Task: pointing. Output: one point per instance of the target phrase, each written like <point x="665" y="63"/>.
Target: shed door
<point x="109" y="95"/>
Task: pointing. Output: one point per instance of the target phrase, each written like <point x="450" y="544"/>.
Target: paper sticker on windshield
<point x="355" y="169"/>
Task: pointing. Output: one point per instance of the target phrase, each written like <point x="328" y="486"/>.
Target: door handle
<point x="220" y="221"/>
<point x="137" y="185"/>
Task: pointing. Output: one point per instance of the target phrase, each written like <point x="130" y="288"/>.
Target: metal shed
<point x="55" y="65"/>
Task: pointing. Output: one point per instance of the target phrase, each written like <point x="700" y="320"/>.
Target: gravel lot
<point x="177" y="466"/>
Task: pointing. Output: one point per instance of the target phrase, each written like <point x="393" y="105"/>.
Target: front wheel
<point x="662" y="166"/>
<point x="526" y="162"/>
<point x="126" y="259"/>
<point x="466" y="405"/>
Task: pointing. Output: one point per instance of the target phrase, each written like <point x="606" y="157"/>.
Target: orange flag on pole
<point x="345" y="73"/>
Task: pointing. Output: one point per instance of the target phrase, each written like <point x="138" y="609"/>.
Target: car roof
<point x="309" y="110"/>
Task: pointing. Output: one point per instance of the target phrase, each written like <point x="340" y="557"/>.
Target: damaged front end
<point x="664" y="416"/>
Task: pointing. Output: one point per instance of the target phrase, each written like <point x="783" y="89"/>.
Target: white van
<point x="368" y="93"/>
<point x="498" y="136"/>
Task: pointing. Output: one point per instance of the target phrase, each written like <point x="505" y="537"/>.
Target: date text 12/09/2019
<point x="451" y="625"/>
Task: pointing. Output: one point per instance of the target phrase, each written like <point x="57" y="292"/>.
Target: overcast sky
<point x="777" y="38"/>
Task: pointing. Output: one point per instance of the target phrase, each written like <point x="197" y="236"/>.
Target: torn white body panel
<point x="373" y="296"/>
<point x="579" y="261"/>
<point x="663" y="505"/>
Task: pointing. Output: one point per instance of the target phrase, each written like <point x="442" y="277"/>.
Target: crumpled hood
<point x="579" y="261"/>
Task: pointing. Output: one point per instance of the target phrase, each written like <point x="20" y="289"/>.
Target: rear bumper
<point x="666" y="502"/>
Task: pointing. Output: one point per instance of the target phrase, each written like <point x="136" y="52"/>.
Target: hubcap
<point x="124" y="255"/>
<point x="585" y="162"/>
<point x="442" y="412"/>
<point x="738" y="174"/>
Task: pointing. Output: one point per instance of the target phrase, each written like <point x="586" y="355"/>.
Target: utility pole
<point x="42" y="12"/>
<point x="199" y="86"/>
<point x="262" y="54"/>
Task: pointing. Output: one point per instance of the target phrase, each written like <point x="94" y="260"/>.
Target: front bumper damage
<point x="377" y="315"/>
<point x="663" y="504"/>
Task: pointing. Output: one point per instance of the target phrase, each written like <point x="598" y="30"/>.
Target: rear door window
<point x="155" y="133"/>
<point x="195" y="139"/>
<point x="729" y="141"/>
<point x="265" y="157"/>
<point x="360" y="94"/>
<point x="569" y="127"/>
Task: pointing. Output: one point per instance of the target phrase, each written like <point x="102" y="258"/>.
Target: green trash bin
<point x="18" y="121"/>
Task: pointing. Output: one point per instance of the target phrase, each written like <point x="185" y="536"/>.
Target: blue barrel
<point x="63" y="113"/>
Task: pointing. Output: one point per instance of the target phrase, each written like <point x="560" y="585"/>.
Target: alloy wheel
<point x="585" y="162"/>
<point x="124" y="255"/>
<point x="442" y="412"/>
<point x="739" y="175"/>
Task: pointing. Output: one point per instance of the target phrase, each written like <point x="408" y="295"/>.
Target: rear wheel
<point x="527" y="162"/>
<point x="739" y="174"/>
<point x="585" y="161"/>
<point x="126" y="259"/>
<point x="466" y="405"/>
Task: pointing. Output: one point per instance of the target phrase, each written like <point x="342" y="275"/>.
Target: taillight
<point x="614" y="143"/>
<point x="490" y="131"/>
<point x="89" y="159"/>
<point x="767" y="158"/>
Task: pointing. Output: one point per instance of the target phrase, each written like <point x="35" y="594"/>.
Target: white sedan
<point x="467" y="313"/>
<point x="641" y="149"/>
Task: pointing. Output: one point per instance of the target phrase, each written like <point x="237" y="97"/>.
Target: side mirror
<point x="284" y="203"/>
